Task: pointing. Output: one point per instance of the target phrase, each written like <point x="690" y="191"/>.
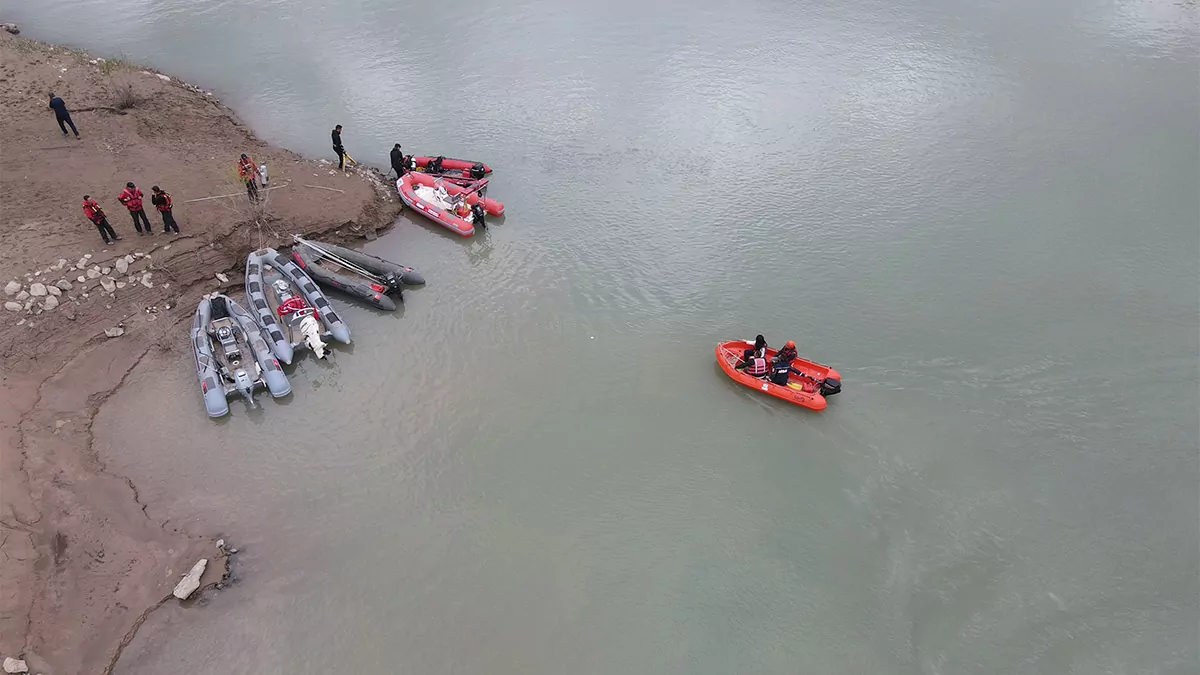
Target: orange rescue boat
<point x="810" y="390"/>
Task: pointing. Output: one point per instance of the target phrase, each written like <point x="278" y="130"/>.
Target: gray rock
<point x="11" y="28"/>
<point x="123" y="265"/>
<point x="116" y="331"/>
<point x="109" y="285"/>
<point x="95" y="272"/>
<point x="121" y="284"/>
<point x="12" y="665"/>
<point x="54" y="290"/>
<point x="62" y="262"/>
<point x="87" y="256"/>
<point x="146" y="280"/>
<point x="81" y="279"/>
<point x="22" y="296"/>
<point x="37" y="289"/>
<point x="63" y="284"/>
<point x="51" y="303"/>
<point x="12" y="288"/>
<point x="81" y="264"/>
<point x="224" y="279"/>
<point x="129" y="259"/>
<point x="12" y="306"/>
<point x="105" y="270"/>
<point x="190" y="581"/>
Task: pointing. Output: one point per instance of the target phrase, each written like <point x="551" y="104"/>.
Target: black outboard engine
<point x="477" y="214"/>
<point x="477" y="171"/>
<point x="830" y="386"/>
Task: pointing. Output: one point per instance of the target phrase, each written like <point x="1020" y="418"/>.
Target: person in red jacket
<point x="162" y="202"/>
<point x="249" y="173"/>
<point x="131" y="197"/>
<point x="95" y="214"/>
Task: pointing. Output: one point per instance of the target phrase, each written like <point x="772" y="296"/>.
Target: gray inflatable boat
<point x="289" y="306"/>
<point x="357" y="274"/>
<point x="231" y="355"/>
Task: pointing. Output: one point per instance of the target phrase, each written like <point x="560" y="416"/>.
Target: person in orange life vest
<point x="95" y="214"/>
<point x="162" y="202"/>
<point x="753" y="364"/>
<point x="289" y="303"/>
<point x="787" y="354"/>
<point x="131" y="197"/>
<point x="249" y="173"/>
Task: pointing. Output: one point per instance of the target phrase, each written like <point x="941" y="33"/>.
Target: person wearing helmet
<point x="787" y="354"/>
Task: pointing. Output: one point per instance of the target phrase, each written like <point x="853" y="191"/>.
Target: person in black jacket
<point x="337" y="147"/>
<point x="62" y="115"/>
<point x="398" y="160"/>
<point x="780" y="372"/>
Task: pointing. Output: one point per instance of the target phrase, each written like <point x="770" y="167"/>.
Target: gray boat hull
<point x="268" y="261"/>
<point x="217" y="379"/>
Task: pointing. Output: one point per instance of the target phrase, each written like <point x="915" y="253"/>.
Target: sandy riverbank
<point x="80" y="560"/>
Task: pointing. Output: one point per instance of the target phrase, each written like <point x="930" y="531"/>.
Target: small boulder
<point x="63" y="284"/>
<point x="51" y="303"/>
<point x="116" y="331"/>
<point x="121" y="284"/>
<point x="93" y="273"/>
<point x="224" y="279"/>
<point x="54" y="290"/>
<point x="105" y="270"/>
<point x="108" y="284"/>
<point x="22" y="296"/>
<point x="87" y="256"/>
<point x="129" y="259"/>
<point x="13" y="666"/>
<point x="81" y="279"/>
<point x="37" y="289"/>
<point x="62" y="262"/>
<point x="146" y="280"/>
<point x="11" y="28"/>
<point x="81" y="264"/>
<point x="123" y="265"/>
<point x="190" y="581"/>
<point x="12" y="288"/>
<point x="12" y="306"/>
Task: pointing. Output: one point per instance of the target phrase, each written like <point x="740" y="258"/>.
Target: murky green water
<point x="984" y="214"/>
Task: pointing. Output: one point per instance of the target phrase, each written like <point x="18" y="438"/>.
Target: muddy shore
<point x="81" y="562"/>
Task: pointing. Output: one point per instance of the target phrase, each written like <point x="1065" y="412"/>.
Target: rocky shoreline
<point x="82" y="563"/>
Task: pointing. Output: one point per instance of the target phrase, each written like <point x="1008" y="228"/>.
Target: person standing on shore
<point x="338" y="148"/>
<point x="249" y="173"/>
<point x="162" y="201"/>
<point x="62" y="115"/>
<point x="131" y="197"/>
<point x="95" y="214"/>
<point x="398" y="161"/>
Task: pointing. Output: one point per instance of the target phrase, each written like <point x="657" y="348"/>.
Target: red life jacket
<point x="92" y="210"/>
<point x="165" y="204"/>
<point x="758" y="367"/>
<point x="131" y="198"/>
<point x="246" y="169"/>
<point x="292" y="304"/>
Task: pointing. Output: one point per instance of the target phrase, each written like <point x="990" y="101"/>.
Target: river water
<point x="985" y="214"/>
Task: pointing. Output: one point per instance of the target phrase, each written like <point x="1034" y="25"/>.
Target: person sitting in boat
<point x="760" y="346"/>
<point x="787" y="354"/>
<point x="780" y="371"/>
<point x="753" y="364"/>
<point x="288" y="302"/>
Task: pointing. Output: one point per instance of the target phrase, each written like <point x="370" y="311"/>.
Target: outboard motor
<point x="830" y="386"/>
<point x="477" y="214"/>
<point x="477" y="171"/>
<point x="244" y="384"/>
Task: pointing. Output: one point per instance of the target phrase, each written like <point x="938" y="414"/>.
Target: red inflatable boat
<point x="809" y="390"/>
<point x="451" y="166"/>
<point x="445" y="202"/>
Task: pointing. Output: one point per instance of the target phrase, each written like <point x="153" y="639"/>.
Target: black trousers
<point x="140" y="213"/>
<point x="169" y="222"/>
<point x="252" y="189"/>
<point x="64" y="121"/>
<point x="106" y="231"/>
<point x="341" y="153"/>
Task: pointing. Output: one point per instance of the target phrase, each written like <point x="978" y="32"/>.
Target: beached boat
<point x="231" y="355"/>
<point x="457" y="208"/>
<point x="354" y="273"/>
<point x="289" y="306"/>
<point x="809" y="390"/>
